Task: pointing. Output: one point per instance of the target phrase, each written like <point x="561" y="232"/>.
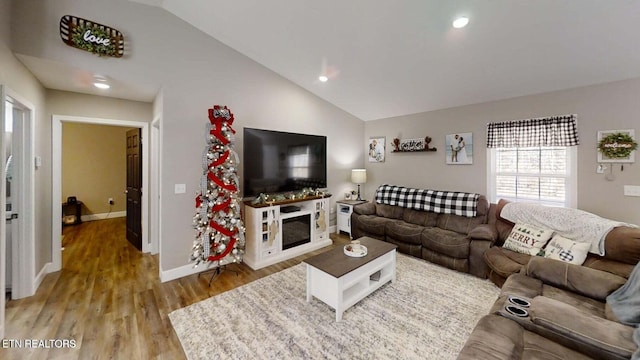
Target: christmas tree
<point x="218" y="221"/>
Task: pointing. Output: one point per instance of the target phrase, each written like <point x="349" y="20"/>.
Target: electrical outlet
<point x="110" y="201"/>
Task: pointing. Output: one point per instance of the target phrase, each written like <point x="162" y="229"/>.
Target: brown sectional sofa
<point x="439" y="238"/>
<point x="567" y="308"/>
<point x="567" y="312"/>
<point x="622" y="249"/>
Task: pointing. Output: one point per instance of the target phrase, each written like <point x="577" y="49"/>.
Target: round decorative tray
<point x="355" y="250"/>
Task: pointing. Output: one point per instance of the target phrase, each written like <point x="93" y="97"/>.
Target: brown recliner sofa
<point x="564" y="305"/>
<point x="622" y="249"/>
<point x="442" y="239"/>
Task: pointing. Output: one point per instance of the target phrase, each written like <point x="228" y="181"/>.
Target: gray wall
<point x="196" y="72"/>
<point x="16" y="77"/>
<point x="599" y="107"/>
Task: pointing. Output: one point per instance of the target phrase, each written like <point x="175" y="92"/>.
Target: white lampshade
<point x="359" y="176"/>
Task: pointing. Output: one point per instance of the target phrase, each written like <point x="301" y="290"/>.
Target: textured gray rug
<point x="428" y="313"/>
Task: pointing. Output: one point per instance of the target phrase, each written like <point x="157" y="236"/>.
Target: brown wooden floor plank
<point x="108" y="297"/>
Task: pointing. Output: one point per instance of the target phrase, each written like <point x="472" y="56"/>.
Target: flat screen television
<point x="276" y="162"/>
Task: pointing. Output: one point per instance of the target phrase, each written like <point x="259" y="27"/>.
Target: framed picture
<point x="459" y="149"/>
<point x="615" y="146"/>
<point x="376" y="149"/>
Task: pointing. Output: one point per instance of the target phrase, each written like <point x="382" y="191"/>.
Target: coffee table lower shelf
<point x="343" y="292"/>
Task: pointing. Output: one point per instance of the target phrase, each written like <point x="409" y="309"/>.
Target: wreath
<point x="99" y="49"/>
<point x="617" y="145"/>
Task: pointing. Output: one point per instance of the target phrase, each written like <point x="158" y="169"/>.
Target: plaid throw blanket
<point x="443" y="202"/>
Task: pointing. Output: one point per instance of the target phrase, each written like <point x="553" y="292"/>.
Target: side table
<point x="343" y="217"/>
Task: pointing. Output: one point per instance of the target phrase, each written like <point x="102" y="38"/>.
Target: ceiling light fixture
<point x="101" y="85"/>
<point x="323" y="78"/>
<point x="460" y="22"/>
<point x="100" y="82"/>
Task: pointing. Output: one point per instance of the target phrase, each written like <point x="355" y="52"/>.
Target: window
<point x="533" y="160"/>
<point x="537" y="174"/>
<point x="299" y="161"/>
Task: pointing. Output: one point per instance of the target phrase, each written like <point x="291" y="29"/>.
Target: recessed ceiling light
<point x="100" y="82"/>
<point x="323" y="78"/>
<point x="101" y="85"/>
<point x="460" y="22"/>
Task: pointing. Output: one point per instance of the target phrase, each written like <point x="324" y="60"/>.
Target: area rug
<point x="428" y="313"/>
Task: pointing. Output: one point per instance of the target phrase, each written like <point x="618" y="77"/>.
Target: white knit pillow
<point x="567" y="250"/>
<point x="527" y="239"/>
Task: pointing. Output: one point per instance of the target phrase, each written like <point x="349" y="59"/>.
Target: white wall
<point x="599" y="107"/>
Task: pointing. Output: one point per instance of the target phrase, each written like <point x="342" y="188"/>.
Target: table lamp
<point x="359" y="176"/>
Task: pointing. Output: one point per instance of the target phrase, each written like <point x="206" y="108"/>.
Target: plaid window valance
<point x="548" y="131"/>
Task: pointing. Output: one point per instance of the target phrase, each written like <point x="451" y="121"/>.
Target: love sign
<point x="90" y="36"/>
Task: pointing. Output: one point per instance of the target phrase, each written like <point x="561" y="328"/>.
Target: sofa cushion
<point x="611" y="266"/>
<point x="372" y="224"/>
<point x="459" y="224"/>
<point x="527" y="239"/>
<point x="446" y="242"/>
<point x="389" y="211"/>
<point x="505" y="262"/>
<point x="404" y="232"/>
<point x="563" y="249"/>
<point x="606" y="337"/>
<point x="495" y="337"/>
<point x="589" y="282"/>
<point x="439" y="258"/>
<point x="419" y="217"/>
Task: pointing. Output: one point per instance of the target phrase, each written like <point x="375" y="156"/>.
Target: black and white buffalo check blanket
<point x="442" y="202"/>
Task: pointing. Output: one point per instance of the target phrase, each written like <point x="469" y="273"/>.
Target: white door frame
<point x="23" y="277"/>
<point x="56" y="192"/>
<point x="155" y="201"/>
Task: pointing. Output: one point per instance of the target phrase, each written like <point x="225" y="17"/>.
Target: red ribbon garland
<point x="217" y="118"/>
<point x="226" y="251"/>
<point x="228" y="187"/>
<point x="198" y="201"/>
<point x="222" y="206"/>
<point x="222" y="229"/>
<point x="220" y="160"/>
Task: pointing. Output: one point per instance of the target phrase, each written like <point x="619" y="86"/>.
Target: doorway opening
<point x="57" y="125"/>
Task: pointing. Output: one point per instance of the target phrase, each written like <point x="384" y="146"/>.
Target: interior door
<point x="134" y="187"/>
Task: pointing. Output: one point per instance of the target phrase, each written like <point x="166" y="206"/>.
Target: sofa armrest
<point x="484" y="232"/>
<point x="583" y="330"/>
<point x="477" y="265"/>
<point x="592" y="283"/>
<point x="367" y="208"/>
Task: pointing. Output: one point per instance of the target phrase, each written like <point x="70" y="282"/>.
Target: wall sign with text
<point x="90" y="36"/>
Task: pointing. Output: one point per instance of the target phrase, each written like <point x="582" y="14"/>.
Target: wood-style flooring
<point x="108" y="298"/>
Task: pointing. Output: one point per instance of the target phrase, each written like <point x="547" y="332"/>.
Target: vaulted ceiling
<point x="391" y="58"/>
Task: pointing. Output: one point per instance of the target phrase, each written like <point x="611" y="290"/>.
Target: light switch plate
<point x="179" y="188"/>
<point x="631" y="190"/>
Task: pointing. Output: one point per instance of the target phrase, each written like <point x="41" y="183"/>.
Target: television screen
<point x="277" y="161"/>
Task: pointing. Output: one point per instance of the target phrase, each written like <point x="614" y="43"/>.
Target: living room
<point x="191" y="71"/>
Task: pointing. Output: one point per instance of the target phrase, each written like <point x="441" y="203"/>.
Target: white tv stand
<point x="273" y="236"/>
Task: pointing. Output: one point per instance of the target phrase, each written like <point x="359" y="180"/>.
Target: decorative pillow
<point x="527" y="239"/>
<point x="567" y="250"/>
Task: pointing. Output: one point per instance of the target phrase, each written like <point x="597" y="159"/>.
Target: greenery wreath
<point x="617" y="145"/>
<point x="99" y="49"/>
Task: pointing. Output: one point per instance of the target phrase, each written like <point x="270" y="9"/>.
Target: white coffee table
<point x="340" y="281"/>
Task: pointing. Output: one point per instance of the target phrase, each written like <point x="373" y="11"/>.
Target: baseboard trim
<point x="93" y="217"/>
<point x="46" y="269"/>
<point x="179" y="272"/>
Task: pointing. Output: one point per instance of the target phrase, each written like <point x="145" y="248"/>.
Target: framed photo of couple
<point x="459" y="149"/>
